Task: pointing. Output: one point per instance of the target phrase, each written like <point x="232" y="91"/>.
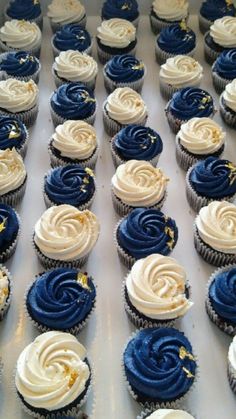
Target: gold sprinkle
<point x="81" y="218"/>
<point x="183" y="353"/>
<point x="152" y="137"/>
<point x="87" y="98"/>
<point x="89" y="171"/>
<point x="189" y="374"/>
<point x="36" y="2"/>
<point x="138" y="66"/>
<point x="126" y="6"/>
<point x="5" y="291"/>
<point x="2" y="225"/>
<point x="183" y="25"/>
<point x="171" y="234"/>
<point x="229" y="2"/>
<point x="232" y="174"/>
<point x="73" y="377"/>
<point x="30" y="86"/>
<point x="66" y="369"/>
<point x="85" y="180"/>
<point x="14" y="133"/>
<point x="80" y="37"/>
<point x="82" y="278"/>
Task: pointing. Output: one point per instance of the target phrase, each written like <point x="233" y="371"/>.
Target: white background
<point x="109" y="328"/>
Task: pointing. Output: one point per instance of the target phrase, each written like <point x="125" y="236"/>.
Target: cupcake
<point x="164" y="414"/>
<point x="155" y="292"/>
<point x="19" y="65"/>
<point x="188" y="103"/>
<point x="75" y="66"/>
<point x="17" y="35"/>
<point x="70" y="184"/>
<point x="137" y="183"/>
<point x="71" y="37"/>
<point x="19" y="99"/>
<point x="232" y="365"/>
<point x="115" y="37"/>
<point x="124" y="71"/>
<point x="12" y="177"/>
<point x="152" y="360"/>
<point x="136" y="142"/>
<point x="29" y="10"/>
<point x="224" y="70"/>
<point x="13" y="134"/>
<point x="175" y="40"/>
<point x="123" y="107"/>
<point x="179" y="72"/>
<point x="65" y="236"/>
<point x="9" y="232"/>
<point x="167" y="12"/>
<point x="5" y="290"/>
<point x="214" y="9"/>
<point x="222" y="36"/>
<point x="228" y="104"/>
<point x="74" y="142"/>
<point x="143" y="232"/>
<point x="122" y="9"/>
<point x="215" y="233"/>
<point x="198" y="139"/>
<point x="72" y="101"/>
<point x="53" y="376"/>
<point x="221" y="299"/>
<point x="68" y="293"/>
<point x="62" y="12"/>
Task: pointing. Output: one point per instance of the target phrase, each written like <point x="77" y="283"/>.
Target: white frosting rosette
<point x="21" y="35"/>
<point x="12" y="171"/>
<point x="229" y="95"/>
<point x="66" y="11"/>
<point x="116" y="33"/>
<point x="168" y="414"/>
<point x="17" y="95"/>
<point x="223" y="31"/>
<point x="171" y="10"/>
<point x="4" y="288"/>
<point x="51" y="372"/>
<point x="156" y="287"/>
<point x="232" y="357"/>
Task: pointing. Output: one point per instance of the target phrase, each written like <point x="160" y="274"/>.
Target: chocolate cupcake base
<point x="106" y="53"/>
<point x="59" y="81"/>
<point x="112" y="127"/>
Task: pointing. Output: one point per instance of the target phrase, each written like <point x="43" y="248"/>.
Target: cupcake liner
<point x="196" y="201"/>
<point x="4" y="75"/>
<point x="104" y="56"/>
<point x="219" y="82"/>
<point x="211" y="255"/>
<point x="175" y="123"/>
<point x="185" y="159"/>
<point x="27" y="117"/>
<point x="38" y="20"/>
<point x="4" y="256"/>
<point x="117" y="160"/>
<point x="34" y="51"/>
<point x="57" y="51"/>
<point x="22" y="150"/>
<point x="59" y="81"/>
<point x="112" y="127"/>
<point x="167" y="90"/>
<point x="59" y="120"/>
<point x="63" y="161"/>
<point x="204" y="24"/>
<point x="126" y="259"/>
<point x="231" y="377"/>
<point x="162" y="56"/>
<point x="111" y="85"/>
<point x="57" y="26"/>
<point x="5" y="308"/>
<point x="228" y="117"/>
<point x="13" y="198"/>
<point x="209" y="53"/>
<point x="221" y="323"/>
<point x="123" y="209"/>
<point x="158" y="24"/>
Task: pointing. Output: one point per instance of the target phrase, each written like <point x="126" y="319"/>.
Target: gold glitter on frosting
<point x="171" y="234"/>
<point x="138" y="66"/>
<point x="125" y="6"/>
<point x="82" y="278"/>
<point x="183" y="25"/>
<point x="89" y="171"/>
<point x="183" y="353"/>
<point x="188" y="373"/>
<point x="2" y="224"/>
<point x="14" y="133"/>
<point x="232" y="173"/>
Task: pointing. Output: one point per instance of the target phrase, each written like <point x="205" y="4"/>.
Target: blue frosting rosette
<point x="159" y="365"/>
<point x="216" y="9"/>
<point x="19" y="64"/>
<point x="190" y="102"/>
<point x="224" y="68"/>
<point x="124" y="69"/>
<point x="9" y="228"/>
<point x="13" y="133"/>
<point x="73" y="37"/>
<point x="177" y="39"/>
<point x="61" y="299"/>
<point x="24" y="9"/>
<point x="122" y="9"/>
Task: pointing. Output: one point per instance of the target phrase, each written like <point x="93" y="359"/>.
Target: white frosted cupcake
<point x="156" y="292"/>
<point x="53" y="376"/>
<point x="74" y="142"/>
<point x="20" y="35"/>
<point x="232" y="365"/>
<point x="137" y="183"/>
<point x="115" y="37"/>
<point x="65" y="236"/>
<point x="198" y="139"/>
<point x="167" y="12"/>
<point x="61" y="12"/>
<point x="123" y="107"/>
<point x="74" y="66"/>
<point x="178" y="72"/>
<point x="228" y="104"/>
<point x="164" y="414"/>
<point x="222" y="36"/>
<point x="20" y="99"/>
<point x="12" y="177"/>
<point x="215" y="233"/>
<point x="5" y="290"/>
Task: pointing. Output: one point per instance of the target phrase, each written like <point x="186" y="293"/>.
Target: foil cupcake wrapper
<point x="219" y="82"/>
<point x="60" y="81"/>
<point x="167" y="90"/>
<point x="13" y="198"/>
<point x="162" y="56"/>
<point x="157" y="24"/>
<point x="5" y="308"/>
<point x="211" y="256"/>
<point x="57" y="26"/>
<point x="112" y="127"/>
<point x="59" y="161"/>
<point x="204" y="24"/>
<point x="4" y="75"/>
<point x="59" y="120"/>
<point x="126" y="260"/>
<point x="111" y="85"/>
<point x="57" y="51"/>
<point x="27" y="117"/>
<point x="104" y="56"/>
<point x="38" y="20"/>
<point x="117" y="160"/>
<point x="231" y="377"/>
<point x="209" y="53"/>
<point x="228" y="117"/>
<point x="34" y="51"/>
<point x="4" y="256"/>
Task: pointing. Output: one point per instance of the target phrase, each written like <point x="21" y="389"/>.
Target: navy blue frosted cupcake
<point x="19" y="65"/>
<point x="136" y="142"/>
<point x="221" y="37"/>
<point x="73" y="101"/>
<point x="9" y="231"/>
<point x="25" y="10"/>
<point x="221" y="299"/>
<point x="124" y="71"/>
<point x="71" y="37"/>
<point x="188" y="103"/>
<point x="71" y="184"/>
<point x="214" y="9"/>
<point x="13" y="134"/>
<point x="159" y="366"/>
<point x="209" y="180"/>
<point x="61" y="299"/>
<point x="167" y="12"/>
<point x="122" y="9"/>
<point x="224" y="69"/>
<point x="143" y="232"/>
<point x="174" y="40"/>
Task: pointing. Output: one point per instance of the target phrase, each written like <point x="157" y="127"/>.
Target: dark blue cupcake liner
<point x="59" y="81"/>
<point x="27" y="117"/>
<point x="57" y="26"/>
<point x="63" y="161"/>
<point x="5" y="308"/>
<point x="58" y="120"/>
<point x="4" y="75"/>
<point x="228" y="117"/>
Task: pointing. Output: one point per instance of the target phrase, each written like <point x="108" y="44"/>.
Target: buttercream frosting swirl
<point x="232" y="355"/>
<point x="159" y="364"/>
<point x="65" y="233"/>
<point x="225" y="64"/>
<point x="229" y="95"/>
<point x="13" y="133"/>
<point x="215" y="9"/>
<point x="139" y="184"/>
<point x="51" y="371"/>
<point x="21" y="34"/>
<point x="72" y="37"/>
<point x="171" y="10"/>
<point x="126" y="106"/>
<point x="156" y="287"/>
<point x="222" y="294"/>
<point x="59" y="299"/>
<point x="223" y="31"/>
<point x="66" y="11"/>
<point x="124" y="68"/>
<point x="201" y="136"/>
<point x="12" y="171"/>
<point x="18" y="95"/>
<point x="9" y="226"/>
<point x="116" y="33"/>
<point x="181" y="71"/>
<point x="170" y="414"/>
<point x="24" y="9"/>
<point x="177" y="39"/>
<point x="19" y="64"/>
<point x="4" y="287"/>
<point x="75" y="66"/>
<point x="123" y="9"/>
<point x="191" y="102"/>
<point x="216" y="226"/>
<point x="75" y="139"/>
<point x="145" y="231"/>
